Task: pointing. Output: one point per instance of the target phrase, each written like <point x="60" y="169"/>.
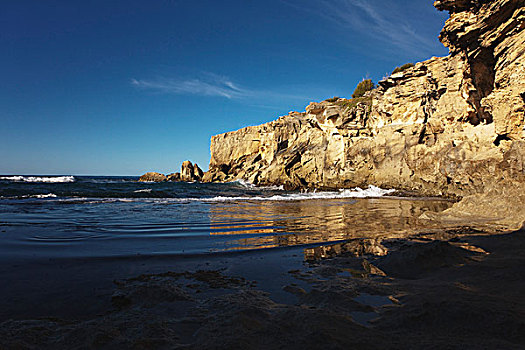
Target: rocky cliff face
<point x="448" y="126"/>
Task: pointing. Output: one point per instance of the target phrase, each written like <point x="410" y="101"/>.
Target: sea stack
<point x="189" y="173"/>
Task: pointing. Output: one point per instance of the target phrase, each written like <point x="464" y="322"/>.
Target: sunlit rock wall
<point x="448" y="126"/>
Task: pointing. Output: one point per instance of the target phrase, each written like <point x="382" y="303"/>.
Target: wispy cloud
<point x="211" y="85"/>
<point x="380" y="20"/>
<point x="214" y="85"/>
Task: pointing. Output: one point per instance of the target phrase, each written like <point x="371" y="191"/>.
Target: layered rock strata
<point x="450" y="126"/>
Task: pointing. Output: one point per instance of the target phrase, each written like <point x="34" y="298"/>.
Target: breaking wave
<point x="243" y="183"/>
<point x="85" y="193"/>
<point x="248" y="185"/>
<point x="47" y="179"/>
<point x="38" y="196"/>
<point x="370" y="192"/>
<point x="49" y="195"/>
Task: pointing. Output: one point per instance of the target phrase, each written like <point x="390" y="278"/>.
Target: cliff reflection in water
<point x="289" y="223"/>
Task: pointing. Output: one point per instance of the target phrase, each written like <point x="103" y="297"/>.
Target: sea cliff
<point x="449" y="126"/>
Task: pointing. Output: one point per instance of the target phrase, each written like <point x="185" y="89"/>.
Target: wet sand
<point x="456" y="288"/>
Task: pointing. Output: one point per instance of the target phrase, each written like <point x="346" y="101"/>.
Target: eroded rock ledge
<point x="451" y="126"/>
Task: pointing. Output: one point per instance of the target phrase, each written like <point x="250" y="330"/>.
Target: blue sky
<point x="108" y="87"/>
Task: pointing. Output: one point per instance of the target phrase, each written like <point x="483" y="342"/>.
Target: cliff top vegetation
<point x="403" y="68"/>
<point x="363" y="87"/>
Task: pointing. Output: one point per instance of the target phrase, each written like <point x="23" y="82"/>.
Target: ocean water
<point x="44" y="217"/>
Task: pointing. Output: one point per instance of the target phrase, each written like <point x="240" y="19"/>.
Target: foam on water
<point x="112" y="217"/>
<point x="127" y="190"/>
<point x="110" y="181"/>
<point x="38" y="196"/>
<point x="243" y="183"/>
<point x="370" y="192"/>
<point x="47" y="179"/>
<point x="49" y="195"/>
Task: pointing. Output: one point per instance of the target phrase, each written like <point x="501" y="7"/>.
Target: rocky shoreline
<point x="451" y="126"/>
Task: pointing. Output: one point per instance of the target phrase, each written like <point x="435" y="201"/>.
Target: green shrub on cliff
<point x="363" y="87"/>
<point x="403" y="67"/>
<point x="333" y="99"/>
<point x="351" y="103"/>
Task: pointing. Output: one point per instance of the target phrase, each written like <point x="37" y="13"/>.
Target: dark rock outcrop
<point x="186" y="171"/>
<point x="152" y="177"/>
<point x="174" y="177"/>
<point x="197" y="172"/>
<point x="189" y="173"/>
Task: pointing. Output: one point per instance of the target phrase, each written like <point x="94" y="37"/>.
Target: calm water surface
<point x="66" y="216"/>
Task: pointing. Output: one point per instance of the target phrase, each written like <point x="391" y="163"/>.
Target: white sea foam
<point x="113" y="200"/>
<point x="370" y="192"/>
<point x="85" y="200"/>
<point x="243" y="183"/>
<point x="146" y="190"/>
<point x="12" y="178"/>
<point x="48" y="179"/>
<point x="49" y="195"/>
<point x="39" y="196"/>
<point x="272" y="188"/>
<point x="109" y="181"/>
